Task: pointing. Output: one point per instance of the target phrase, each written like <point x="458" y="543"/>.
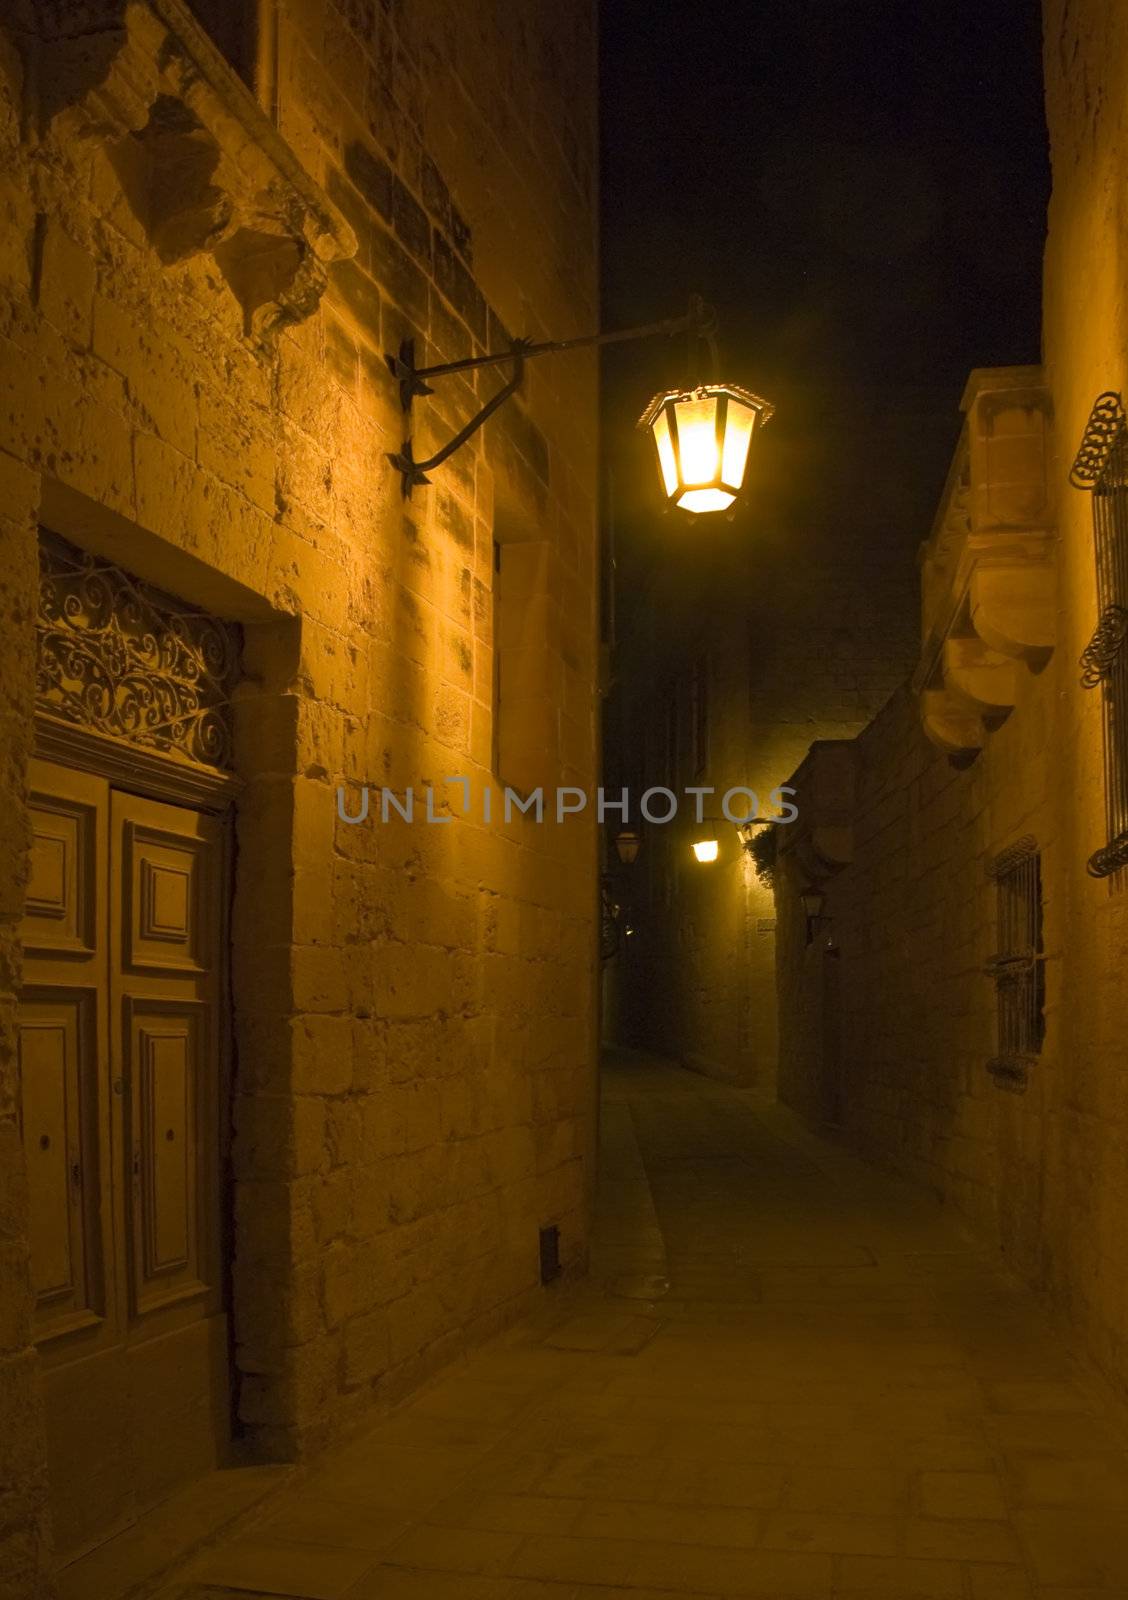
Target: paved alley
<point x="789" y="1375"/>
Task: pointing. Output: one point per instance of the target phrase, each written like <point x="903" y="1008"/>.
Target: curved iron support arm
<point x="414" y="473"/>
<point x="700" y="322"/>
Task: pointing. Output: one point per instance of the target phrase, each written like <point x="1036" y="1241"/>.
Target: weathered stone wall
<point x="914" y="915"/>
<point x="413" y="1004"/>
<point x="798" y="647"/>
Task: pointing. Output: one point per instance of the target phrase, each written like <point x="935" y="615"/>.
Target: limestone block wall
<point x="914" y="914"/>
<point x="198" y="286"/>
<point x="913" y="919"/>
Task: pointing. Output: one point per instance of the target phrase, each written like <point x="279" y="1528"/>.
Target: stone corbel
<point x="820" y="841"/>
<point x="985" y="679"/>
<point x="1012" y="604"/>
<point x="952" y="724"/>
<point x="202" y="167"/>
<point x="988" y="569"/>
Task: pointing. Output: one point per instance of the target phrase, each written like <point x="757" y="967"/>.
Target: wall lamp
<point x="628" y="843"/>
<point x="812" y="901"/>
<point x="702" y="434"/>
<point x="706" y="850"/>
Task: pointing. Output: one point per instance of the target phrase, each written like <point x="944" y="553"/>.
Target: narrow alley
<point x="788" y="1375"/>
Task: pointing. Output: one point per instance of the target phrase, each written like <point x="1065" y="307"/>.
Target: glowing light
<point x="703" y="437"/>
<point x="706" y="849"/>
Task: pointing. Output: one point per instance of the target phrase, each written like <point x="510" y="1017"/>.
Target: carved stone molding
<point x="988" y="584"/>
<point x="201" y="165"/>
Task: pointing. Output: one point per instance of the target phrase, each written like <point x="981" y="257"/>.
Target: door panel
<point x="165" y="984"/>
<point x="167" y="1067"/>
<point x="90" y="1451"/>
<point x="59" y="1075"/>
<point x="67" y="837"/>
<point x="122" y="1083"/>
<point x="166" y="882"/>
<point x="65" y="1112"/>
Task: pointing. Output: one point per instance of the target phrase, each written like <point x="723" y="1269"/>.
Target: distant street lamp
<point x="703" y="436"/>
<point x="702" y="433"/>
<point x="628" y="843"/>
<point x="706" y="849"/>
<point x="812" y="901"/>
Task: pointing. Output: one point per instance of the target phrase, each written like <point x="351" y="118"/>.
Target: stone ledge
<point x="988" y="567"/>
<point x="201" y="165"/>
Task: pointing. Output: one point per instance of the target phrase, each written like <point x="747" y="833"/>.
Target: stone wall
<point x="914" y="914"/>
<point x="198" y="290"/>
<point x="798" y="644"/>
<point x="912" y="919"/>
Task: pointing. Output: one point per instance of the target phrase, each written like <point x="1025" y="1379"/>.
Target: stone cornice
<point x="988" y="567"/>
<point x="203" y="167"/>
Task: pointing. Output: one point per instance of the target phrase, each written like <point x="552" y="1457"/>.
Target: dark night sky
<point x="860" y="187"/>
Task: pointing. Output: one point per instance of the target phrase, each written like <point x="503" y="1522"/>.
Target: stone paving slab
<point x="789" y="1377"/>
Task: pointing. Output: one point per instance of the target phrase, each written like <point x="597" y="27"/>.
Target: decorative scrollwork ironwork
<point x="1109" y="858"/>
<point x="1099" y="656"/>
<point x="125" y="659"/>
<point x="1010" y="968"/>
<point x="1009" y="858"/>
<point x="1106" y="421"/>
<point x="1010" y="1072"/>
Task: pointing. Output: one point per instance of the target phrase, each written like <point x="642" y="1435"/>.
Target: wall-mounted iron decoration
<point x="704" y="472"/>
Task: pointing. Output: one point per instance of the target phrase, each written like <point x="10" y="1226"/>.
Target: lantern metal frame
<point x="669" y="400"/>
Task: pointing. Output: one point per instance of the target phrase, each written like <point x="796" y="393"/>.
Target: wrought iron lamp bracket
<point x="700" y="321"/>
<point x="414" y="473"/>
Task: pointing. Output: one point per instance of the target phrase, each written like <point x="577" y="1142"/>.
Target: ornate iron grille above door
<point x="121" y="659"/>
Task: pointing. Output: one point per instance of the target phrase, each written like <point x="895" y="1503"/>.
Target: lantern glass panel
<point x="697" y="440"/>
<point x="667" y="461"/>
<point x="739" y="423"/>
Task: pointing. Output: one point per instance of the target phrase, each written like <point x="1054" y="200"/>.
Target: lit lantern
<point x="703" y="436"/>
<point x="706" y="849"/>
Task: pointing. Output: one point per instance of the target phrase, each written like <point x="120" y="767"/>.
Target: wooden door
<point x="123" y="1094"/>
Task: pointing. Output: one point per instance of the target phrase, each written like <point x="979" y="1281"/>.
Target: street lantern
<point x="628" y="843"/>
<point x="702" y="433"/>
<point x="812" y="901"/>
<point x="706" y="849"/>
<point x="703" y="436"/>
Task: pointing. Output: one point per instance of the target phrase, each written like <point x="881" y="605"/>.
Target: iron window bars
<point x="1018" y="969"/>
<point x="1101" y="468"/>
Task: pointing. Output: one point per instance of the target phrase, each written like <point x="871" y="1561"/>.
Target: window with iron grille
<point x="1018" y="968"/>
<point x="1101" y="467"/>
